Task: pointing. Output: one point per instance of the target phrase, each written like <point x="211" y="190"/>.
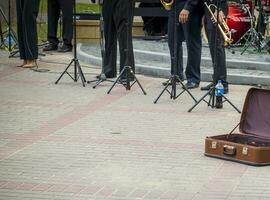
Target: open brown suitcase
<point x="252" y="145"/>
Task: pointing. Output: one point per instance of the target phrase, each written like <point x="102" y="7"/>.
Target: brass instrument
<point x="223" y="27"/>
<point x="167" y="4"/>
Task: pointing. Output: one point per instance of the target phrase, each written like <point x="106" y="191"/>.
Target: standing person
<point x="188" y="16"/>
<point x="118" y="19"/>
<point x="27" y="11"/>
<point x="54" y="8"/>
<point x="216" y="45"/>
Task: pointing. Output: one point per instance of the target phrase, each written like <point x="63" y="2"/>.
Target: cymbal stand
<point x="251" y="37"/>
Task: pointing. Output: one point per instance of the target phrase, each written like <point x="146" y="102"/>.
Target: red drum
<point x="238" y="19"/>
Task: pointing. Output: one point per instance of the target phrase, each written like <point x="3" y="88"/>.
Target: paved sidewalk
<point x="66" y="142"/>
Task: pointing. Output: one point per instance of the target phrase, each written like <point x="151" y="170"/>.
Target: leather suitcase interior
<point x="252" y="145"/>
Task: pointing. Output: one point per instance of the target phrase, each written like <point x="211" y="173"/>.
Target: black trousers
<point x="216" y="45"/>
<point x="191" y="33"/>
<point x="154" y="25"/>
<point x="27" y="11"/>
<point x="118" y="19"/>
<point x="54" y="8"/>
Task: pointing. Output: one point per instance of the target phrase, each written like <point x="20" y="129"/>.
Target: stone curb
<point x="234" y="78"/>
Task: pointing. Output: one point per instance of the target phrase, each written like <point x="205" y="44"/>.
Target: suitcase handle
<point x="229" y="150"/>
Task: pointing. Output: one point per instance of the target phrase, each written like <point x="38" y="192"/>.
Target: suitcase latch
<point x="245" y="151"/>
<point x="229" y="150"/>
<point x="214" y="145"/>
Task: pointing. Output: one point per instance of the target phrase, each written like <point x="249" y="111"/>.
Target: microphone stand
<point x="78" y="73"/>
<point x="102" y="77"/>
<point x="174" y="77"/>
<point x="211" y="92"/>
<point x="127" y="71"/>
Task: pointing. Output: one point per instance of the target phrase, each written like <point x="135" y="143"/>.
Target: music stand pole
<point x="78" y="73"/>
<point x="174" y="77"/>
<point x="102" y="77"/>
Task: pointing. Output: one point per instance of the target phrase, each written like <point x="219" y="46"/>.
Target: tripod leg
<point x="65" y="71"/>
<point x="120" y="75"/>
<point x="165" y="88"/>
<point x="197" y="103"/>
<point x="213" y="99"/>
<point x="81" y="74"/>
<point x="185" y="89"/>
<point x="97" y="83"/>
<point x="231" y="104"/>
<point x="139" y="84"/>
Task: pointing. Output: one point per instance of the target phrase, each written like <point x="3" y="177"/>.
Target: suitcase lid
<point x="255" y="118"/>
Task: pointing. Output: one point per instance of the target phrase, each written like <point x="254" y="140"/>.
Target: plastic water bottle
<point x="219" y="91"/>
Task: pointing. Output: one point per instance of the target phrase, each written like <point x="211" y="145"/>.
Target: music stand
<point x="78" y="73"/>
<point x="175" y="78"/>
<point x="102" y="77"/>
<point x="10" y="32"/>
<point x="127" y="72"/>
<point x="211" y="92"/>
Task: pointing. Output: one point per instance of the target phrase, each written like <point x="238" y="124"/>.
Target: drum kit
<point x="249" y="23"/>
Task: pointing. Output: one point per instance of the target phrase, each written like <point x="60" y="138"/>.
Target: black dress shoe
<point x="65" y="48"/>
<point x="209" y="86"/>
<point x="50" y="47"/>
<point x="191" y="85"/>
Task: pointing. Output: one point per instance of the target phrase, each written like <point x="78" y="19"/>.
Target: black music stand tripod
<point x="10" y="31"/>
<point x="78" y="73"/>
<point x="102" y="77"/>
<point x="211" y="92"/>
<point x="127" y="77"/>
<point x="212" y="98"/>
<point x="174" y="79"/>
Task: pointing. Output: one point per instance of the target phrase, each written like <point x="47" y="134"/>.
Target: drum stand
<point x="251" y="37"/>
